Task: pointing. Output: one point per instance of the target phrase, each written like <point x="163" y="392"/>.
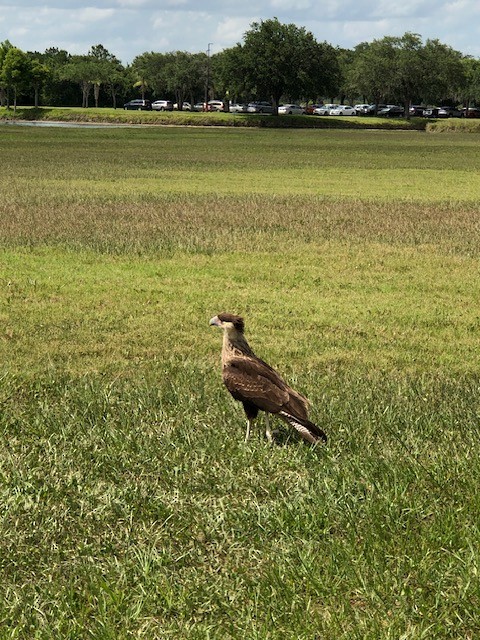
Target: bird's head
<point x="229" y="322"/>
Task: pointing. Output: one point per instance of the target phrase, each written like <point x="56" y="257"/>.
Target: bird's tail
<point x="307" y="429"/>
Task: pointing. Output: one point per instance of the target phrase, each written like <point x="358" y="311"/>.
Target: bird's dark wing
<point x="296" y="404"/>
<point x="252" y="379"/>
<point x="248" y="380"/>
<point x="260" y="387"/>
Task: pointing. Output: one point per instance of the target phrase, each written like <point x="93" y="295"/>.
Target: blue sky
<point x="128" y="28"/>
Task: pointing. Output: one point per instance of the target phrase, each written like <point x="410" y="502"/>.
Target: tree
<point x="325" y="74"/>
<point x="181" y="74"/>
<point x="177" y="74"/>
<point x="406" y="70"/>
<point x="409" y="79"/>
<point x="471" y="89"/>
<point x="445" y="76"/>
<point x="281" y="59"/>
<point x="346" y="86"/>
<point x="148" y="73"/>
<point x="16" y="72"/>
<point x="108" y="72"/>
<point x="57" y="89"/>
<point x="116" y="82"/>
<point x="39" y="73"/>
<point x="82" y="70"/>
<point x="4" y="47"/>
<point x="144" y="70"/>
<point x="371" y="69"/>
<point x="229" y="75"/>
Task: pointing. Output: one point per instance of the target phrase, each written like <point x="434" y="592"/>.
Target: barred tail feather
<point x="308" y="430"/>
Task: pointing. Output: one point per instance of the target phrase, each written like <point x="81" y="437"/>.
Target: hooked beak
<point x="215" y="322"/>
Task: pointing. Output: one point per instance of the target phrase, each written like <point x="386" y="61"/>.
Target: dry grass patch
<point x="216" y="223"/>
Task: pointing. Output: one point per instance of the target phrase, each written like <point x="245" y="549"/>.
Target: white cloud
<point x="18" y="32"/>
<point x="285" y="5"/>
<point x="92" y="14"/>
<point x="364" y="31"/>
<point x="133" y="4"/>
<point x="229" y="31"/>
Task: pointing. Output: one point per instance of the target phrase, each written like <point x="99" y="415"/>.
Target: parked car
<point x="431" y="112"/>
<point x="325" y="109"/>
<point x="343" y="110"/>
<point x="199" y="106"/>
<point x="361" y="109"/>
<point x="373" y="109"/>
<point x="449" y="112"/>
<point x="186" y="106"/>
<point x="215" y="105"/>
<point x="416" y="110"/>
<point x="291" y="109"/>
<point x="310" y="108"/>
<point x="260" y="107"/>
<point x="236" y="107"/>
<point x="139" y="105"/>
<point x="471" y="112"/>
<point x="162" y="105"/>
<point x="391" y="111"/>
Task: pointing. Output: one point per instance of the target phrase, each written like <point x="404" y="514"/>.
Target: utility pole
<point x="207" y="81"/>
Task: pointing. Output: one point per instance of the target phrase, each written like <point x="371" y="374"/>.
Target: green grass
<point x="449" y="125"/>
<point x="185" y="118"/>
<point x="130" y="505"/>
<point x="140" y="165"/>
<point x="120" y="117"/>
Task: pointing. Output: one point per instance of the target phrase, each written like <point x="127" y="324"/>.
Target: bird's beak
<point x="215" y="322"/>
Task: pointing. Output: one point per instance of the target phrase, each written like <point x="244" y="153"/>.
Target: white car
<point x="260" y="107"/>
<point x="215" y="105"/>
<point x="186" y="106"/>
<point x="291" y="109"/>
<point x="361" y="109"/>
<point x="343" y="110"/>
<point x="236" y="107"/>
<point x="324" y="110"/>
<point x="162" y="105"/>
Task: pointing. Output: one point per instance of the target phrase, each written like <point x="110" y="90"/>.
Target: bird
<point x="258" y="386"/>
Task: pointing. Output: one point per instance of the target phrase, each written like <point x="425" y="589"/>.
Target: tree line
<point x="274" y="62"/>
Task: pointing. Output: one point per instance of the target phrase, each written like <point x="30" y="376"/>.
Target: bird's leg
<point x="268" y="433"/>
<point x="247" y="433"/>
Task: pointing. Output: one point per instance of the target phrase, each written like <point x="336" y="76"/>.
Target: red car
<point x="310" y="107"/>
<point x="471" y="112"/>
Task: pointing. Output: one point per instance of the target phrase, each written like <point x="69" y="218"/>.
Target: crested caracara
<point x="259" y="387"/>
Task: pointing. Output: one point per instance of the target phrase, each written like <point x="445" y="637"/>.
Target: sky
<point x="128" y="28"/>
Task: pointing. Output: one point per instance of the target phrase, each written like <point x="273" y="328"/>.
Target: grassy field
<point x="130" y="505"/>
<point x="186" y="118"/>
<point x="118" y="116"/>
